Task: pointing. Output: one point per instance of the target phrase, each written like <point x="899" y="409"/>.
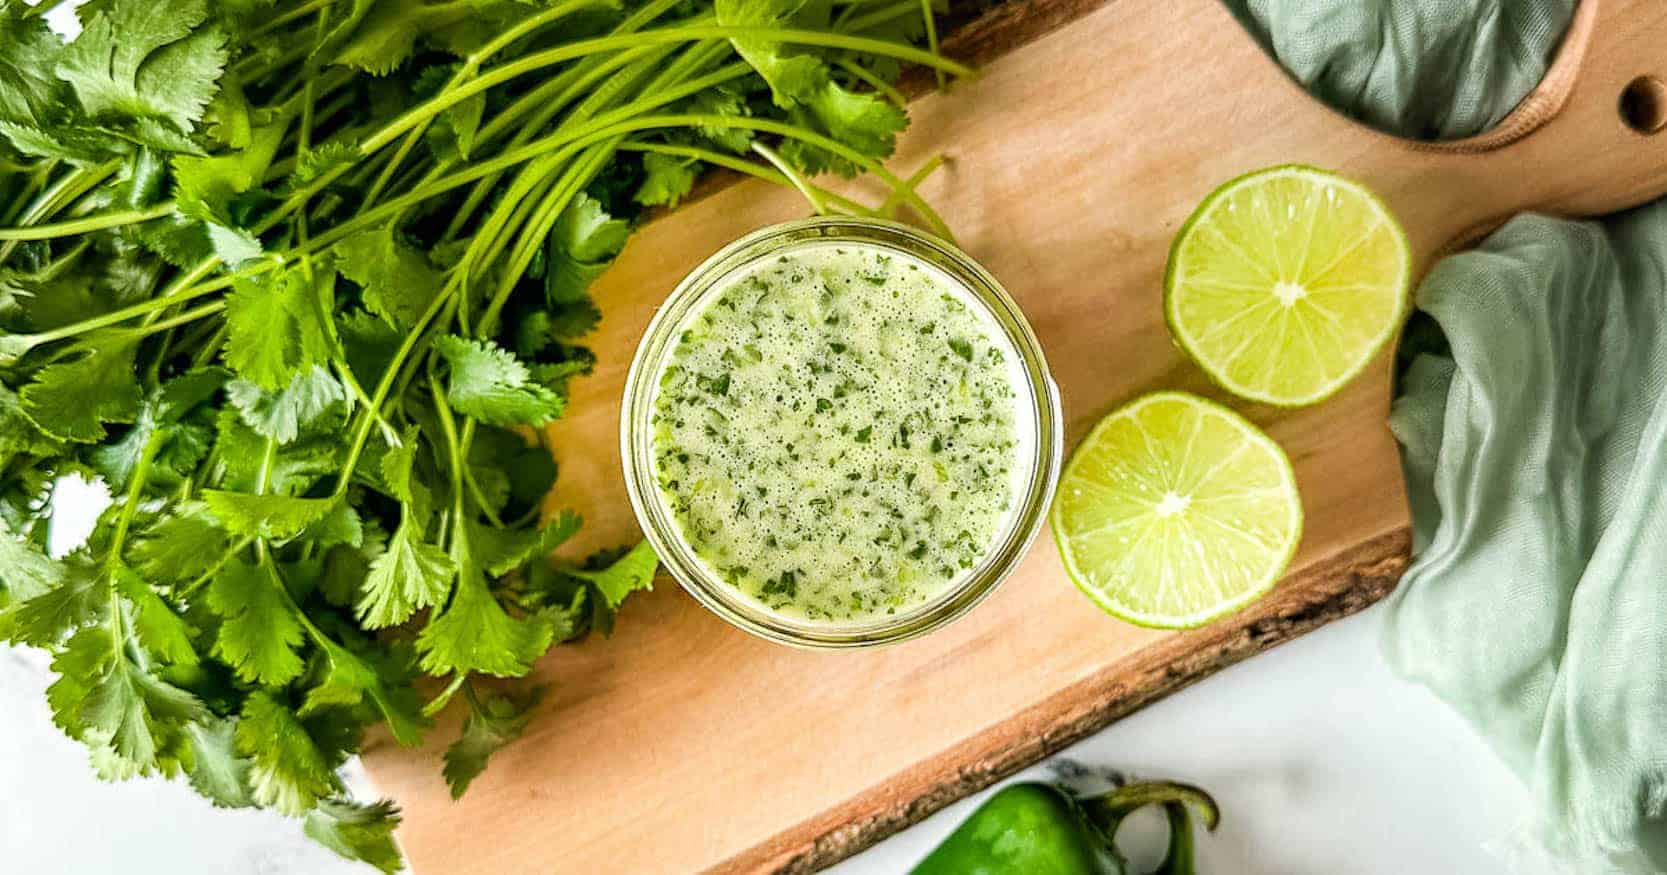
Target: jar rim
<point x="660" y="527"/>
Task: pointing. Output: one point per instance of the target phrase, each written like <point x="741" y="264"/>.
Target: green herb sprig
<point x="300" y="281"/>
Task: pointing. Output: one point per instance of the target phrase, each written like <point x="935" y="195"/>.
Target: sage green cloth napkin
<point x="1431" y="69"/>
<point x="1533" y="420"/>
<point x="1536" y="459"/>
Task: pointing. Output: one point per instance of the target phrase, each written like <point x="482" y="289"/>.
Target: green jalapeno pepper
<point x="1032" y="828"/>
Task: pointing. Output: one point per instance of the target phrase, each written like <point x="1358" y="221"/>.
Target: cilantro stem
<point x="792" y="177"/>
<point x="475" y="492"/>
<point x="549" y="57"/>
<point x="795" y="132"/>
<point x="210" y="347"/>
<point x="135" y="492"/>
<point x="185" y="318"/>
<point x="71" y="186"/>
<point x="648" y="55"/>
<point x="550" y="97"/>
<point x="883" y="15"/>
<point x="453" y="451"/>
<point x="295" y="14"/>
<point x="912" y="183"/>
<point x="399" y="156"/>
<point x="377" y="215"/>
<point x="440" y="701"/>
<point x="532" y="234"/>
<point x="386" y="382"/>
<point x="91" y="223"/>
<point x="206" y="576"/>
<point x="526" y="26"/>
<point x="749" y="168"/>
<point x="879" y="85"/>
<point x="931" y="36"/>
<point x="29" y="341"/>
<point x="352" y="383"/>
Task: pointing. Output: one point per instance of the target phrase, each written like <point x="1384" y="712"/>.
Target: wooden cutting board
<point x="682" y="745"/>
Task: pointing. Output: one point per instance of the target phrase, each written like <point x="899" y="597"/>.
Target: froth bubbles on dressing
<point x="836" y="432"/>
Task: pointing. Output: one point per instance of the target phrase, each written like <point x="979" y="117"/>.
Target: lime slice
<point x="1176" y="511"/>
<point x="1286" y="282"/>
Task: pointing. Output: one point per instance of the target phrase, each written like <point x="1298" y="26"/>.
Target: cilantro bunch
<point x="299" y="281"/>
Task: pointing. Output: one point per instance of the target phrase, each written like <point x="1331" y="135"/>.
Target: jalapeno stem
<point x="1106" y="812"/>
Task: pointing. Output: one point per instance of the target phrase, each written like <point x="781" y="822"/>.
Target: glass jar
<point x="1037" y="416"/>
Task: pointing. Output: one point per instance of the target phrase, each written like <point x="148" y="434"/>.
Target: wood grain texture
<point x="684" y="745"/>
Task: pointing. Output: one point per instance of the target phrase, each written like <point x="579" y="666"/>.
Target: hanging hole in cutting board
<point x="1644" y="105"/>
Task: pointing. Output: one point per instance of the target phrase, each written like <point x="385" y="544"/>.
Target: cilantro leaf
<point x="396" y="467"/>
<point x="313" y="164"/>
<point x="181" y="546"/>
<point x="453" y="134"/>
<point x="666" y="181"/>
<point x="398" y="281"/>
<point x="540" y="330"/>
<point x="213" y="766"/>
<point x="79" y="595"/>
<point x="287" y="770"/>
<point x="158" y="628"/>
<point x="408" y="576"/>
<point x="474" y="633"/>
<point x="357" y="831"/>
<point x="73" y="399"/>
<point x="385" y="38"/>
<point x="19" y="436"/>
<point x="490" y="384"/>
<point x="504" y="550"/>
<point x="369" y="344"/>
<point x="143" y="60"/>
<point x="242" y="463"/>
<point x="25" y="571"/>
<point x="162" y="417"/>
<point x="582" y="244"/>
<point x="29" y="92"/>
<point x="101" y="692"/>
<point x="204" y="186"/>
<point x="348" y="680"/>
<point x="631" y="572"/>
<point x="274" y="517"/>
<point x="279" y="325"/>
<point x="723" y="101"/>
<point x="802" y="84"/>
<point x="260" y="633"/>
<point x="73" y="143"/>
<point x="176" y="239"/>
<point x="341" y="524"/>
<point x="493" y="721"/>
<point x="281" y="414"/>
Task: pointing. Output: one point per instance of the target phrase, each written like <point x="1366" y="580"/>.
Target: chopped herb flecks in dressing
<point x="835" y="432"/>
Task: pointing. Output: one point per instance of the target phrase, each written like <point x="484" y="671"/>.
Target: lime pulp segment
<point x="1176" y="511"/>
<point x="1285" y="283"/>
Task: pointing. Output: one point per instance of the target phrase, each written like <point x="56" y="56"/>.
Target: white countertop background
<point x="1322" y="762"/>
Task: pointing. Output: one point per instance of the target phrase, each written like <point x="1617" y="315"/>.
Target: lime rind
<point x="1117" y="600"/>
<point x="1357" y="338"/>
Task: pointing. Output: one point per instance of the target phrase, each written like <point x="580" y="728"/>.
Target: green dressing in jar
<point x="840" y="432"/>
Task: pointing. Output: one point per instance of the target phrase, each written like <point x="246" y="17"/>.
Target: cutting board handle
<point x="1604" y="98"/>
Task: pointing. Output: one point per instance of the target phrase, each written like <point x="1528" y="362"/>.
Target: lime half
<point x="1286" y="282"/>
<point x="1176" y="511"/>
